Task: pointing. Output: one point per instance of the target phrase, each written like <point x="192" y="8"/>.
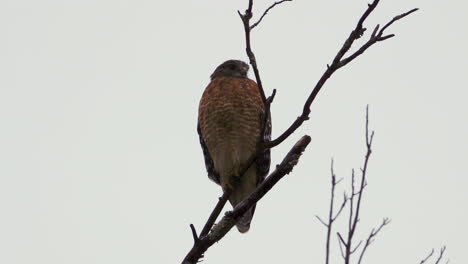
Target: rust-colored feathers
<point x="230" y="128"/>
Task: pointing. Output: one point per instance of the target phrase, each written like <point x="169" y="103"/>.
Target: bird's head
<point x="231" y="68"/>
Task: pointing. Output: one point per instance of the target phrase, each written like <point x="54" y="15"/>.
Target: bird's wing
<point x="212" y="173"/>
<point x="264" y="160"/>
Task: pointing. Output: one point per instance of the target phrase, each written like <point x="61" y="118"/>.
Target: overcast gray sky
<point x="99" y="155"/>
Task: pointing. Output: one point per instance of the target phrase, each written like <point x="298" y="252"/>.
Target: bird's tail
<point x="243" y="225"/>
<point x="246" y="187"/>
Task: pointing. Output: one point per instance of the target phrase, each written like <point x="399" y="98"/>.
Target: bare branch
<point x="351" y="202"/>
<point x="356" y="248"/>
<point x="248" y="48"/>
<point x="194" y="234"/>
<point x="331" y="218"/>
<point x="214" y="214"/>
<point x="371" y="236"/>
<point x="441" y="255"/>
<point x="246" y="17"/>
<point x="342" y="206"/>
<point x="428" y="257"/>
<point x="339" y="62"/>
<point x="321" y="221"/>
<point x="355" y="201"/>
<point x="376" y="36"/>
<point x="230" y="218"/>
<point x="439" y="258"/>
<point x="341" y="243"/>
<point x="397" y="18"/>
<point x="266" y="12"/>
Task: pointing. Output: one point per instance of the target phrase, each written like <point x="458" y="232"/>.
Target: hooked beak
<point x="245" y="69"/>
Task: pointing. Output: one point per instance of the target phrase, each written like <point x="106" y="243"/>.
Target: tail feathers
<point x="243" y="225"/>
<point x="245" y="188"/>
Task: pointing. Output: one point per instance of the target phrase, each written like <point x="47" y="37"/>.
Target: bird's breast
<point x="230" y="121"/>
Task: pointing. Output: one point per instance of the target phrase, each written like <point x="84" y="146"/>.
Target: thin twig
<point x="374" y="232"/>
<point x="246" y="17"/>
<point x="439" y="258"/>
<point x="376" y="37"/>
<point x="356" y="248"/>
<point x="441" y="255"/>
<point x="428" y="257"/>
<point x="194" y="234"/>
<point x="363" y="170"/>
<point x="248" y="48"/>
<point x="330" y="214"/>
<point x="342" y="206"/>
<point x="341" y="243"/>
<point x="337" y="63"/>
<point x="331" y="217"/>
<point x="355" y="203"/>
<point x="321" y="221"/>
<point x="266" y="12"/>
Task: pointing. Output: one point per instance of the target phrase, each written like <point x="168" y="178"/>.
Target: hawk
<point x="230" y="126"/>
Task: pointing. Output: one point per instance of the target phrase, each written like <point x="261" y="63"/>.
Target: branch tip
<point x="194" y="234"/>
<point x="266" y="11"/>
<point x="271" y="97"/>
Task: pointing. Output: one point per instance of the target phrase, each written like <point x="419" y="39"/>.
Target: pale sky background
<point x="99" y="155"/>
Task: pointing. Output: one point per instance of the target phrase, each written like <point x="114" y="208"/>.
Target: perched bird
<point x="230" y="126"/>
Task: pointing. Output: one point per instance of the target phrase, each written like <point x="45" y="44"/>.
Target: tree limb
<point x="214" y="214"/>
<point x="230" y="218"/>
<point x="339" y="62"/>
